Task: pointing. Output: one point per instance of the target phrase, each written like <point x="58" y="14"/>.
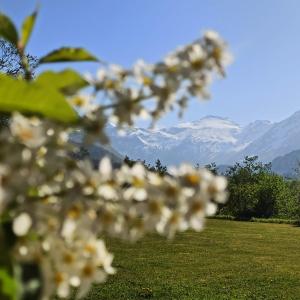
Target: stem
<point x="25" y="65"/>
<point x="138" y="100"/>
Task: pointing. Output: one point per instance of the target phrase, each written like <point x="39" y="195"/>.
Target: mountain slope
<point x="96" y="151"/>
<point x="282" y="138"/>
<point x="208" y="139"/>
<point x="287" y="165"/>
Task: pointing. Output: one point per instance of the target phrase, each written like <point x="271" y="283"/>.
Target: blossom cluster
<point x="67" y="205"/>
<point x="150" y="90"/>
<point x="60" y="208"/>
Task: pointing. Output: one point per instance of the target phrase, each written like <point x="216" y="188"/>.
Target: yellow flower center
<point x="68" y="258"/>
<point x="78" y="101"/>
<point x="217" y="53"/>
<point x="172" y="69"/>
<point x="197" y="207"/>
<point x="175" y="218"/>
<point x="58" y="278"/>
<point x="147" y="80"/>
<point x="110" y="84"/>
<point x="91" y="249"/>
<point x="171" y="191"/>
<point x="88" y="271"/>
<point x="192" y="179"/>
<point x="197" y="64"/>
<point x="74" y="212"/>
<point x="107" y="218"/>
<point x="137" y="182"/>
<point x="155" y="207"/>
<point x="212" y="189"/>
<point x="26" y="134"/>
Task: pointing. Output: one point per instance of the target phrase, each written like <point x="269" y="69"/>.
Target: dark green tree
<point x="159" y="168"/>
<point x="212" y="167"/>
<point x="255" y="191"/>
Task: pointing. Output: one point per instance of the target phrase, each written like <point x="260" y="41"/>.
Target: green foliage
<point x="8" y="30"/>
<point x="128" y="161"/>
<point x="67" y="81"/>
<point x="161" y="169"/>
<point x="8" y="282"/>
<point x="247" y="171"/>
<point x="67" y="54"/>
<point x="257" y="192"/>
<point x="8" y="285"/>
<point x="32" y="97"/>
<point x="27" y="28"/>
<point x="294" y="187"/>
<point x="275" y="198"/>
<point x="158" y="167"/>
<point x="211" y="167"/>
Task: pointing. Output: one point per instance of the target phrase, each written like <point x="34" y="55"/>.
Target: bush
<point x="256" y="192"/>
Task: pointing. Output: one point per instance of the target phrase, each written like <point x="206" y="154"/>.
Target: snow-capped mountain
<point x="282" y="138"/>
<point x="206" y="140"/>
<point x="210" y="139"/>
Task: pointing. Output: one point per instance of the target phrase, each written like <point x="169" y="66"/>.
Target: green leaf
<point x="8" y="30"/>
<point x="27" y="27"/>
<point x="67" y="81"/>
<point x="31" y="97"/>
<point x="8" y="285"/>
<point x="67" y="54"/>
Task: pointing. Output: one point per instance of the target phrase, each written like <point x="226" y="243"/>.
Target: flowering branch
<point x="58" y="208"/>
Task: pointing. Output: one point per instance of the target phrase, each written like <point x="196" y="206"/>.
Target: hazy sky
<point x="264" y="36"/>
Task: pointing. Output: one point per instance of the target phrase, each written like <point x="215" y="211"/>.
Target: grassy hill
<point x="229" y="260"/>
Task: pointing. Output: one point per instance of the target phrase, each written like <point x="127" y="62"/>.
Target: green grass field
<point x="229" y="260"/>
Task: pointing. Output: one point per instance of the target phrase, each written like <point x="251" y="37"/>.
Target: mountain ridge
<point x="210" y="139"/>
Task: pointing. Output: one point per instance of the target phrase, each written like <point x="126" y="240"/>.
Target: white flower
<point x="84" y="103"/>
<point x="197" y="56"/>
<point x="197" y="223"/>
<point x="22" y="224"/>
<point x="117" y="71"/>
<point x="222" y="56"/>
<point x="217" y="189"/>
<point x="68" y="229"/>
<point x="137" y="180"/>
<point x="105" y="168"/>
<point x="71" y="203"/>
<point x="171" y="223"/>
<point x="172" y="63"/>
<point x="28" y="131"/>
<point x="89" y="274"/>
<point x="212" y="36"/>
<point x="62" y="284"/>
<point x="102" y="257"/>
<point x="101" y="75"/>
<point x="142" y="73"/>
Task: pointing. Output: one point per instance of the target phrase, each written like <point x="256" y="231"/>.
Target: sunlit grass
<point x="229" y="260"/>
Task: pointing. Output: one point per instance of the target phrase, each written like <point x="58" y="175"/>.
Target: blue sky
<point x="262" y="83"/>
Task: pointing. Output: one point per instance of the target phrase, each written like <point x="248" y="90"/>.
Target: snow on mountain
<point x="282" y="138"/>
<point x="209" y="139"/>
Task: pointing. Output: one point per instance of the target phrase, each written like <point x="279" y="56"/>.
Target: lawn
<point x="229" y="260"/>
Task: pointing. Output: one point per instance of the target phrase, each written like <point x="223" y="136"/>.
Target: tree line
<point x="254" y="190"/>
<point x="257" y="192"/>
